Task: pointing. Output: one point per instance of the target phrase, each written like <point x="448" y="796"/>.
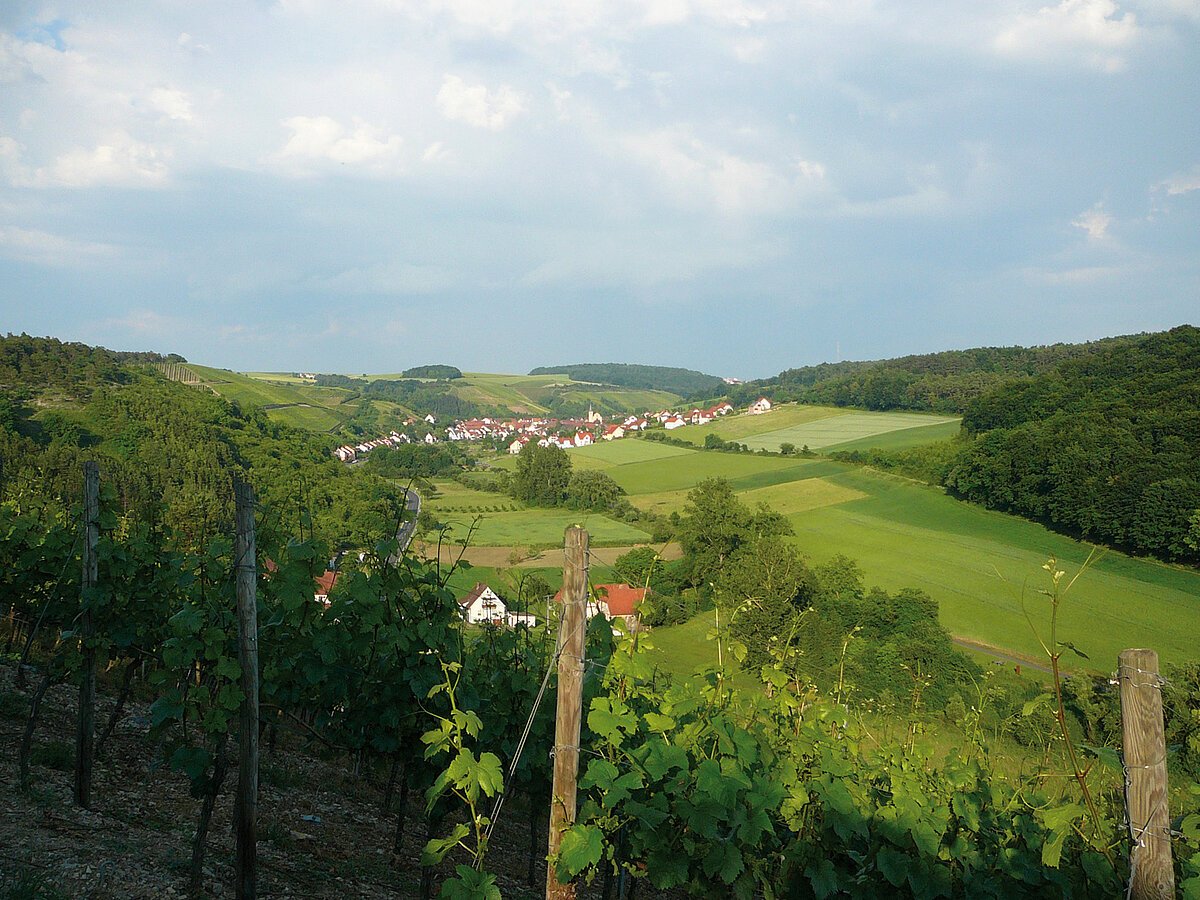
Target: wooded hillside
<point x="1104" y="446"/>
<point x="685" y="382"/>
<point x="939" y="382"/>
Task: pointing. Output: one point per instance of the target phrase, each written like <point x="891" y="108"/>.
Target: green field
<point x="844" y="429"/>
<point x="453" y="497"/>
<point x="684" y="471"/>
<point x="606" y="454"/>
<point x="739" y="426"/>
<point x="903" y="438"/>
<point x="504" y="522"/>
<point x="973" y="561"/>
<point x="292" y="402"/>
<point x="540" y="528"/>
<point x="533" y="394"/>
<point x="976" y="563"/>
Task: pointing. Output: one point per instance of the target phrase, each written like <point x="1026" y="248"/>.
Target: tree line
<point x="945" y="382"/>
<point x="673" y="380"/>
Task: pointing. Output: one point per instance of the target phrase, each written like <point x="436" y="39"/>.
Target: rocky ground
<point x="322" y="832"/>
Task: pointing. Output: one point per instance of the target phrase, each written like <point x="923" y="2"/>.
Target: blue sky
<point x="736" y="186"/>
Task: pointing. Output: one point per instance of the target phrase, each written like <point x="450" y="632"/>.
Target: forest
<point x="1103" y="447"/>
<point x="422" y="397"/>
<point x="945" y="382"/>
<point x="685" y="382"/>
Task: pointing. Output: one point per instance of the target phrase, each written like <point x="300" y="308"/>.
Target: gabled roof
<point x="326" y="580"/>
<point x="474" y="594"/>
<point x="621" y="599"/>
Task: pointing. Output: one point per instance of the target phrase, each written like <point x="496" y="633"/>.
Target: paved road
<point x="404" y="534"/>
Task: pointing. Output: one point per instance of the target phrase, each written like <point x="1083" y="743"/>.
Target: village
<point x="545" y="432"/>
<point x="482" y="605"/>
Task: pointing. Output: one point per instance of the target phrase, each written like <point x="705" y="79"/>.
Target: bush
<point x="54" y="755"/>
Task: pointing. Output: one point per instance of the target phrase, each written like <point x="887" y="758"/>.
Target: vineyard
<point x="689" y="786"/>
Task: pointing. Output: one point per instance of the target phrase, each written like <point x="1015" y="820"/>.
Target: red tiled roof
<point x="326" y="581"/>
<point x="621" y="599"/>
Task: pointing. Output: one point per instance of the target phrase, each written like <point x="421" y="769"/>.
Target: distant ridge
<point x="945" y="382"/>
<point x="686" y="382"/>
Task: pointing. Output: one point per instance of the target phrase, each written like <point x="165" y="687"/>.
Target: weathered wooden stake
<point x="247" y="609"/>
<point x="85" y="735"/>
<point x="570" y="701"/>
<point x="1151" y="875"/>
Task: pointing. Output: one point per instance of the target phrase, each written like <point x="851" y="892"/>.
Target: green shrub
<point x="54" y="755"/>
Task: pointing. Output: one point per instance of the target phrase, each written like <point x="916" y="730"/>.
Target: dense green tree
<point x="715" y="523"/>
<point x="415" y="460"/>
<point x="435" y="371"/>
<point x="764" y="587"/>
<point x="685" y="382"/>
<point x="1102" y="447"/>
<point x="591" y="489"/>
<point x="542" y="475"/>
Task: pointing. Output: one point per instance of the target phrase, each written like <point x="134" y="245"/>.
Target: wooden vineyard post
<point x="1151" y="875"/>
<point x="570" y="702"/>
<point x="246" y="808"/>
<point x="85" y="737"/>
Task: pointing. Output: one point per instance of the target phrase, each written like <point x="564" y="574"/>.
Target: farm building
<point x="482" y="604"/>
<point x="614" y="601"/>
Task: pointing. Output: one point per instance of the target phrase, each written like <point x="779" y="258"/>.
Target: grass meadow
<point x="979" y="563"/>
<point x="837" y="430"/>
<point x="975" y="562"/>
<point x="539" y="528"/>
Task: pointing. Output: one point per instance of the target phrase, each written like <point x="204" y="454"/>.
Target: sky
<point x="735" y="186"/>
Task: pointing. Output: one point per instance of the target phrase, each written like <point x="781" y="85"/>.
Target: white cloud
<point x="43" y="248"/>
<point x="701" y="175"/>
<point x="1094" y="221"/>
<point x="172" y="104"/>
<point x="476" y="104"/>
<point x="809" y="169"/>
<point x="1089" y="29"/>
<point x="118" y="160"/>
<point x="1183" y="182"/>
<point x="323" y="139"/>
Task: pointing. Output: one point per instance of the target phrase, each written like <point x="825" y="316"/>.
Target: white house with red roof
<point x="482" y="605"/>
<point x="325" y="582"/>
<point x="613" y="432"/>
<point x="673" y="422"/>
<point x="613" y="601"/>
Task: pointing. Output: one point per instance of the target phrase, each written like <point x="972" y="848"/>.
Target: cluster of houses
<point x="547" y="432"/>
<point x="350" y="452"/>
<point x="483" y="606"/>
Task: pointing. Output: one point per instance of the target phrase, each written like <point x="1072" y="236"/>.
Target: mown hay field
<point x="836" y="430"/>
<point x="978" y="564"/>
